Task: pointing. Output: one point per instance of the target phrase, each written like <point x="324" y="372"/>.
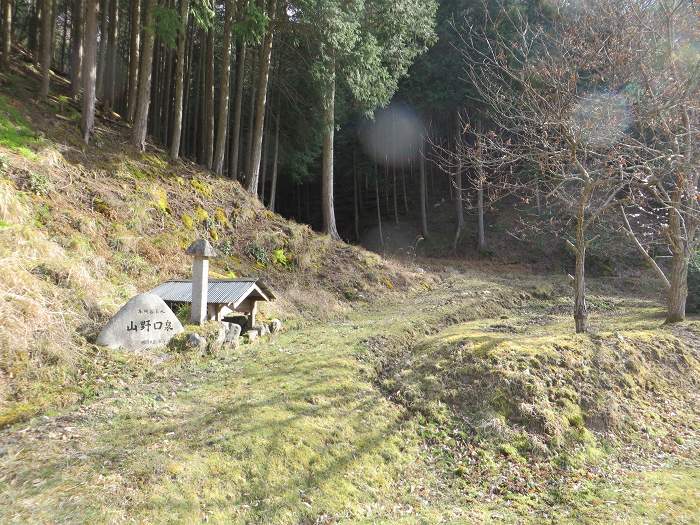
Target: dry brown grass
<point x="84" y="229"/>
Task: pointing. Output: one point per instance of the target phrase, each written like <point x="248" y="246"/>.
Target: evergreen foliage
<point x="693" y="301"/>
<point x="251" y="25"/>
<point x="167" y="25"/>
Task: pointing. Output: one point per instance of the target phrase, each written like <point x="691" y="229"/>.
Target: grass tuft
<point x="16" y="133"/>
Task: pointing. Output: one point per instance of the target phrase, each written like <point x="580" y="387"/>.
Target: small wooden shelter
<point x="227" y="300"/>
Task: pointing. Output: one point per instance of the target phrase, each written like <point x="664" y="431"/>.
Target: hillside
<point x="84" y="229"/>
<point x="414" y="391"/>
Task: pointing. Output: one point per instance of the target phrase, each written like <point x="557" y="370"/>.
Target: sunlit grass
<point x="282" y="433"/>
<point x="294" y="429"/>
<point x="15" y="132"/>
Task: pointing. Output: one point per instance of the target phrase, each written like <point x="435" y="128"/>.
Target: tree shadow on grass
<point x="256" y="446"/>
<point x="300" y="411"/>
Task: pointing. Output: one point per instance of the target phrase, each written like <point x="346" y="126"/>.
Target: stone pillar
<point x="253" y="314"/>
<point x="202" y="251"/>
<point x="200" y="287"/>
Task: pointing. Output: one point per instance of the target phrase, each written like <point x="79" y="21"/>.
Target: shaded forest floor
<point x="470" y="401"/>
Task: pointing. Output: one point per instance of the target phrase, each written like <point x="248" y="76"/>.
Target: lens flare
<point x="393" y="137"/>
<point x="600" y="119"/>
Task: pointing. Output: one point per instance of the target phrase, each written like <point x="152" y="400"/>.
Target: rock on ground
<point x="275" y="326"/>
<point x="233" y="335"/>
<point x="144" y="322"/>
<point x="196" y="342"/>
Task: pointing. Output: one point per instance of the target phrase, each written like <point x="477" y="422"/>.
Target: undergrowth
<point x="16" y="133"/>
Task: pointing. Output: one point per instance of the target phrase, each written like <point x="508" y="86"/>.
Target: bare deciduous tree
<point x="603" y="98"/>
<point x="663" y="87"/>
<point x="487" y="179"/>
<point x="550" y="91"/>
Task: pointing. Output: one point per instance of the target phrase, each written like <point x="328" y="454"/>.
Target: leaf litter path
<point x="291" y="430"/>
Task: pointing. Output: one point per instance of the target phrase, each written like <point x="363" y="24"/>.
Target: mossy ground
<point x="304" y="428"/>
<point x="16" y="133"/>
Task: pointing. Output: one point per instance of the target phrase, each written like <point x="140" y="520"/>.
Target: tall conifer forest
<point x="356" y="111"/>
<point x="318" y="262"/>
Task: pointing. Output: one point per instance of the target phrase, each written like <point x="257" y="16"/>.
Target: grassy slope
<point x="461" y="400"/>
<point x="84" y="229"/>
<point x="296" y="430"/>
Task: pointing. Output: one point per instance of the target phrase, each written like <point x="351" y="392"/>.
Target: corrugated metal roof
<point x="219" y="292"/>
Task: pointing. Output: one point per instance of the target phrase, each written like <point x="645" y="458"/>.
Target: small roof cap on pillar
<point x="201" y="248"/>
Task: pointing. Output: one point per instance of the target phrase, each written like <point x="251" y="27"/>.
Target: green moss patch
<point x="526" y="395"/>
<point x="209" y="331"/>
<point x="16" y="133"/>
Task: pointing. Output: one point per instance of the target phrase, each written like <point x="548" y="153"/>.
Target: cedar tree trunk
<point x="179" y="80"/>
<point x="423" y="196"/>
<point x="327" y="204"/>
<point x="89" y="73"/>
<point x="46" y="46"/>
<point x="275" y="161"/>
<point x="111" y="59"/>
<point x="134" y="53"/>
<point x="6" y="33"/>
<point x="222" y="124"/>
<point x="209" y="102"/>
<point x="143" y="99"/>
<point x="76" y="54"/>
<point x="263" y="76"/>
<point x="234" y="170"/>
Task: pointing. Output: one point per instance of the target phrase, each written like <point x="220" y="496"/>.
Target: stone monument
<point x="144" y="322"/>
